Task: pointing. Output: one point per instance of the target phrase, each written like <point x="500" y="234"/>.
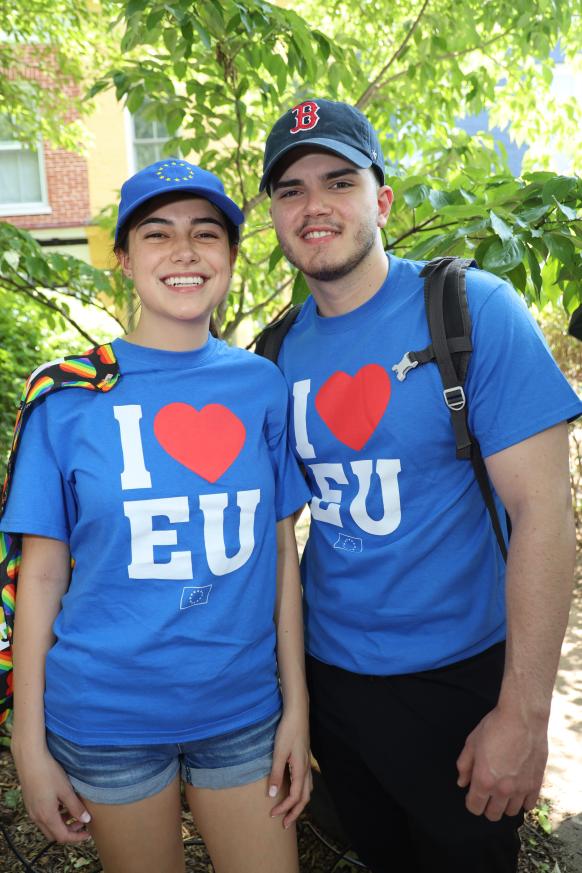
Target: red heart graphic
<point x="207" y="441"/>
<point x="352" y="406"/>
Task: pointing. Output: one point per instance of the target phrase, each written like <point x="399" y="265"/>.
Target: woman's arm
<point x="43" y="579"/>
<point x="292" y="740"/>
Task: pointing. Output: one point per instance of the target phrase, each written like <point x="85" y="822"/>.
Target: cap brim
<point x="224" y="203"/>
<point x="330" y="145"/>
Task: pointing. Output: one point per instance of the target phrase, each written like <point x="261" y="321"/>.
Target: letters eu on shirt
<point x="167" y="489"/>
<point x="401" y="546"/>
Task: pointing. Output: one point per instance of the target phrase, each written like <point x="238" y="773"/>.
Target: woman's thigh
<point x="140" y="836"/>
<point x="239" y="832"/>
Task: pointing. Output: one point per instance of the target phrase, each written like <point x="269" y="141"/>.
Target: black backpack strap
<point x="270" y="340"/>
<point x="445" y="300"/>
<point x="575" y="326"/>
<point x="449" y="321"/>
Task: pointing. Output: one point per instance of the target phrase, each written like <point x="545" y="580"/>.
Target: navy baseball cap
<point x="173" y="174"/>
<point x="335" y="127"/>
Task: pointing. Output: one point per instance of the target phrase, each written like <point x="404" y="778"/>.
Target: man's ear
<point x="233" y="256"/>
<point x="124" y="262"/>
<point x="385" y="198"/>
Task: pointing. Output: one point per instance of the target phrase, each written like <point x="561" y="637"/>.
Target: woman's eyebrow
<point x="153" y="219"/>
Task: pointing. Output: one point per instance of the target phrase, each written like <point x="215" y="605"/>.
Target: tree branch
<point x="89" y="301"/>
<point x="260" y="228"/>
<point x="254" y="201"/>
<point x="41" y="299"/>
<point x="374" y="86"/>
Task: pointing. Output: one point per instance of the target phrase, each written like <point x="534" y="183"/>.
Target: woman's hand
<point x="50" y="799"/>
<point x="292" y="752"/>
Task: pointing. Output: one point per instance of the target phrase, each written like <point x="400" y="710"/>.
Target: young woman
<point x="163" y="655"/>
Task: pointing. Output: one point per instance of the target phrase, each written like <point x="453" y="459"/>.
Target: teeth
<point x="317" y="234"/>
<point x="175" y="281"/>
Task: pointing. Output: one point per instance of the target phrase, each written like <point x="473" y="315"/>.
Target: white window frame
<point x="133" y="141"/>
<point x="38" y="207"/>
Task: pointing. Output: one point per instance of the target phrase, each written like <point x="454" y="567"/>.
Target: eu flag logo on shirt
<point x="195" y="596"/>
<point x="348" y="544"/>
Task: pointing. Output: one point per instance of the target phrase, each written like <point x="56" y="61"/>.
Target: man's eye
<point x="288" y="192"/>
<point x="341" y="183"/>
<point x="155" y="234"/>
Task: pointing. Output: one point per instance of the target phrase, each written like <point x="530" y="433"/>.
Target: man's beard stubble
<point x="365" y="239"/>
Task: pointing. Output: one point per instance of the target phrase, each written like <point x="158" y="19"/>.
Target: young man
<point x="431" y="663"/>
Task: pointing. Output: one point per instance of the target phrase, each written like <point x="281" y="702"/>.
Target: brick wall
<point x="66" y="172"/>
<point x="67" y="191"/>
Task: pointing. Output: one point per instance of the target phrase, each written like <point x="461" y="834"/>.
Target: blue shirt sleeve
<point x="514" y="387"/>
<point x="291" y="491"/>
<point x="40" y="501"/>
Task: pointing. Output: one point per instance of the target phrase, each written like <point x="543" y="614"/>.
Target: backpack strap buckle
<point x="455" y="398"/>
<point x="404" y="366"/>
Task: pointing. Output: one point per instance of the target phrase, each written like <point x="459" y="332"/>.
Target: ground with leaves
<point x="318" y="853"/>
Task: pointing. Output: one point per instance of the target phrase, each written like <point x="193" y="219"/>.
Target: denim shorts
<point x="126" y="774"/>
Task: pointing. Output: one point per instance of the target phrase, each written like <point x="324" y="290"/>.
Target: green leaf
<point x="300" y="289"/>
<point x="154" y="18"/>
<point x="416" y="195"/>
<point x="180" y="69"/>
<point x="518" y="278"/>
<point x="534" y="269"/>
<point x="423" y="249"/>
<point x="274" y="258"/>
<point x="135" y="98"/>
<point x="566" y="210"/>
<point x="324" y="44"/>
<point x="526" y="217"/>
<point x="559" y="188"/>
<point x="455" y="210"/>
<point x="503" y="231"/>
<point x="470" y="198"/>
<point x="99" y="86"/>
<point x="135" y="6"/>
<point x="542" y="814"/>
<point x="12" y="798"/>
<point x="501" y="257"/>
<point x="335" y="75"/>
<point x="12" y="258"/>
<point x="560" y="247"/>
<point x="571" y="297"/>
<point x="439" y="199"/>
<point x="170" y="38"/>
<point x="202" y="32"/>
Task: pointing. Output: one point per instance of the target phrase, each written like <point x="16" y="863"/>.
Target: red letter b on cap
<point x="306" y="116"/>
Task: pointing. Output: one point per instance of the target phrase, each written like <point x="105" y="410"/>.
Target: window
<point x="148" y="139"/>
<point x="22" y="178"/>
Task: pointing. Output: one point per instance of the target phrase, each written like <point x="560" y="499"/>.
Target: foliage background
<point x="219" y="73"/>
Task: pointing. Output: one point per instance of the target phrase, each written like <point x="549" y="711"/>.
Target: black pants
<point x="387" y="748"/>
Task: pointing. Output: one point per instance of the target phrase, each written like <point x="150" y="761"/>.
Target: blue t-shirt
<point x="402" y="571"/>
<point x="167" y="490"/>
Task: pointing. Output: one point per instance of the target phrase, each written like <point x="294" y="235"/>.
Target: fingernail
<point x="85" y="817"/>
<point x="273" y="791"/>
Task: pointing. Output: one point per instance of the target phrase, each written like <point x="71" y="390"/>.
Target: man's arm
<point x="504" y="758"/>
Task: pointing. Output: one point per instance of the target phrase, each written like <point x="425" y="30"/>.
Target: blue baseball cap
<point x="335" y="127"/>
<point x="167" y="176"/>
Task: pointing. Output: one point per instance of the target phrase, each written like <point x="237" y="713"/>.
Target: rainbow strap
<point x="96" y="370"/>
